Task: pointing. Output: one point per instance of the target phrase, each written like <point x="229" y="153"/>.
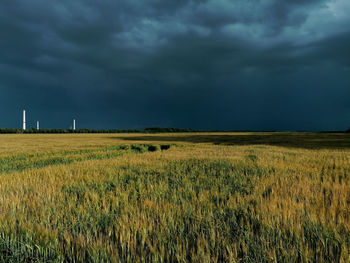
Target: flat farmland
<point x="187" y="197"/>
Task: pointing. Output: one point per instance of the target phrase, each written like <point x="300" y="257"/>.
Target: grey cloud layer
<point x="162" y="62"/>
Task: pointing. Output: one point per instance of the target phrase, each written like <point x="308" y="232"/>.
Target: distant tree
<point x="161" y="129"/>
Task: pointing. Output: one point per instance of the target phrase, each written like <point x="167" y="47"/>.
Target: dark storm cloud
<point x="228" y="64"/>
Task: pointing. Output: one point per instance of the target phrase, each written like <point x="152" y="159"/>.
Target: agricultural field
<point x="194" y="197"/>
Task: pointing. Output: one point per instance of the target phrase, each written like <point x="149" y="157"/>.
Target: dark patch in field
<point x="296" y="140"/>
<point x="165" y="147"/>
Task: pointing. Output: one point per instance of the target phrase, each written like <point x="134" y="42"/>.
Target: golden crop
<point x="216" y="197"/>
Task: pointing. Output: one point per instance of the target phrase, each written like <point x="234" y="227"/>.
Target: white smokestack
<point x="24" y="120"/>
<point x="37" y="125"/>
<point x="74" y="124"/>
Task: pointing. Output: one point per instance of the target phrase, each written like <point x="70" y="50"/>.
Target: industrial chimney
<point x="24" y="119"/>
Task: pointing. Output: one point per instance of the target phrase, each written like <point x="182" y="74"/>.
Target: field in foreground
<point x="263" y="197"/>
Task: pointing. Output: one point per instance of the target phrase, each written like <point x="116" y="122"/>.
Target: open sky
<point x="207" y="64"/>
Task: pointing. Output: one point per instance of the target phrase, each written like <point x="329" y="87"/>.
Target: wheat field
<point x="197" y="197"/>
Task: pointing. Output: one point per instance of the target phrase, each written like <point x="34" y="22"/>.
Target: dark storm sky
<point x="208" y="64"/>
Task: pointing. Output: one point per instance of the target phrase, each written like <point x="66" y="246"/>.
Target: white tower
<point x="37" y="125"/>
<point x="74" y="124"/>
<point x="24" y="120"/>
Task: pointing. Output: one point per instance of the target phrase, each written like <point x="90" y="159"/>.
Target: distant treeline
<point x="146" y="130"/>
